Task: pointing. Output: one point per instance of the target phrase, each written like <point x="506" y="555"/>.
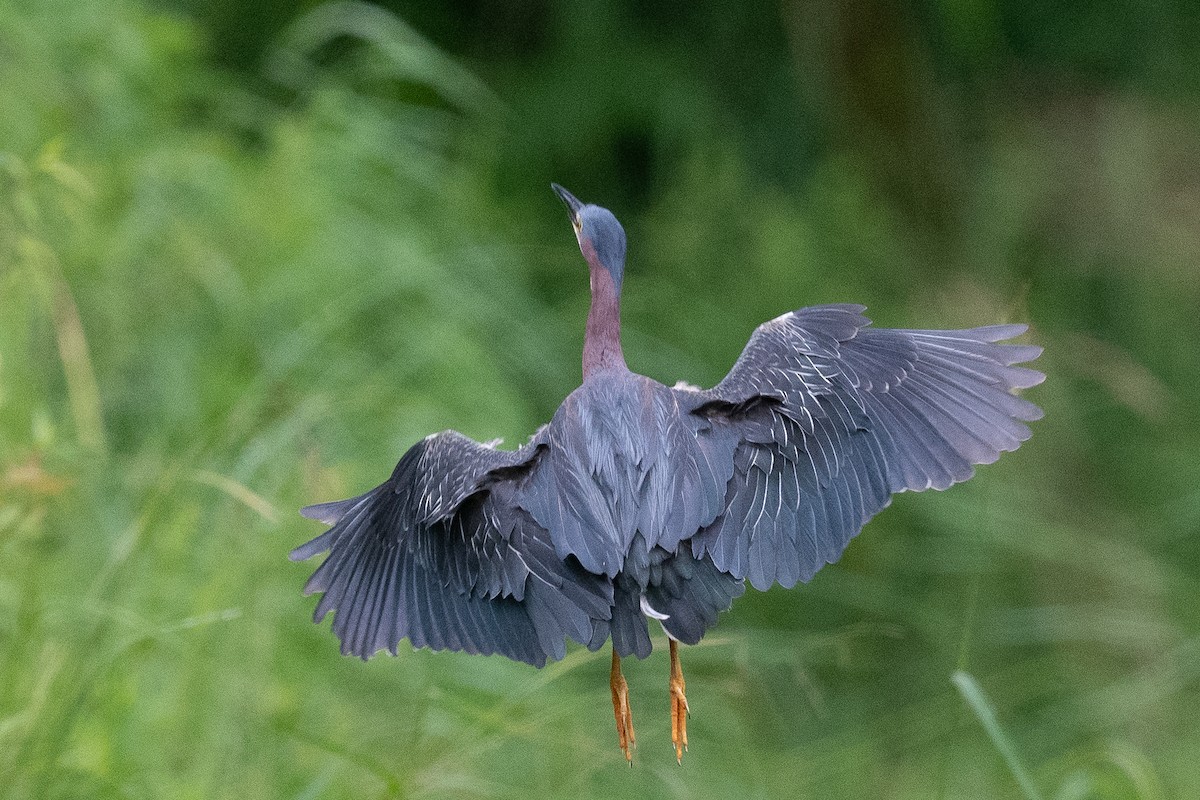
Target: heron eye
<point x="577" y="225"/>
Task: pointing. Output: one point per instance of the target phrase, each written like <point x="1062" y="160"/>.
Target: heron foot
<point x="620" y="698"/>
<point x="680" y="711"/>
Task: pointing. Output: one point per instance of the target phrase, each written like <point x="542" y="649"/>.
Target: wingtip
<point x="310" y="548"/>
<point x="330" y="512"/>
<point x="1011" y="330"/>
<point x="312" y="512"/>
<point x="1024" y="377"/>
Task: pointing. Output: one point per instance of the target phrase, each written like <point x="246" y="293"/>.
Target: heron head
<point x="601" y="237"/>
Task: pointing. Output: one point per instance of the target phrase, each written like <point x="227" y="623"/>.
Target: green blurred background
<point x="251" y="251"/>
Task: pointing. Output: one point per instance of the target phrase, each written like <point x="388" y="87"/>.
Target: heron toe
<point x="679" y="705"/>
<point x="620" y="698"/>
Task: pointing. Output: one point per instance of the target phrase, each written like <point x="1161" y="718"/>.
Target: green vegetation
<point x="244" y="265"/>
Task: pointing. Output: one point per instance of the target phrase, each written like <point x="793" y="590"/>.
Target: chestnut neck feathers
<point x="602" y="338"/>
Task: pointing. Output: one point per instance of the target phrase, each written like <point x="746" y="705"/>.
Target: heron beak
<point x="573" y="205"/>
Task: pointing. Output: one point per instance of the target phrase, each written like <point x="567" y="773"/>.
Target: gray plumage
<point x="638" y="500"/>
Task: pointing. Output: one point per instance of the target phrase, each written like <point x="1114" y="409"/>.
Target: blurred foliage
<point x="250" y="252"/>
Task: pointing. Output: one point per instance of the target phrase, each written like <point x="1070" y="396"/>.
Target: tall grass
<point x="216" y="307"/>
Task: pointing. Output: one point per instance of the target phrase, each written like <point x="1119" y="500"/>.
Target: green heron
<point x="641" y="501"/>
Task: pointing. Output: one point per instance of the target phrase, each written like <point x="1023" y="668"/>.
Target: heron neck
<point x="602" y="339"/>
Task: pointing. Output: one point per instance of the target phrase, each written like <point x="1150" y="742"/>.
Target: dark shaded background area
<point x="907" y="87"/>
<point x="250" y="252"/>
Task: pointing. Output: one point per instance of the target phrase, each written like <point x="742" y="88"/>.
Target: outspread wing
<point x="442" y="554"/>
<point x="833" y="417"/>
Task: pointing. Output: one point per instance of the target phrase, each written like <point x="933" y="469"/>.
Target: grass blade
<point x="977" y="700"/>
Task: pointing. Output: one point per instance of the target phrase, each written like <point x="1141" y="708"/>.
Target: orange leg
<point x="679" y="705"/>
<point x="620" y="698"/>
